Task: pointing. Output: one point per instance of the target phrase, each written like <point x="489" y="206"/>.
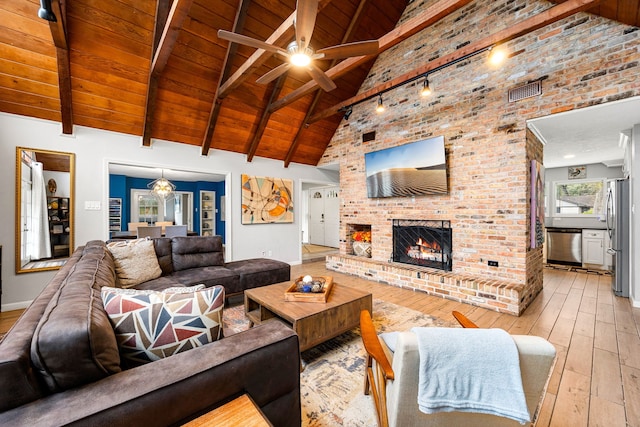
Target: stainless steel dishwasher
<point x="564" y="246"/>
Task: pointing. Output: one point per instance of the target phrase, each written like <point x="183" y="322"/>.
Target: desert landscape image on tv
<point x="415" y="169"/>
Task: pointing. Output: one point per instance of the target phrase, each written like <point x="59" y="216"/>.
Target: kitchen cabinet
<point x="207" y="213"/>
<point x="593" y="247"/>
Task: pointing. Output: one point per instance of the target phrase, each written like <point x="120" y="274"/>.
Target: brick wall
<point x="582" y="60"/>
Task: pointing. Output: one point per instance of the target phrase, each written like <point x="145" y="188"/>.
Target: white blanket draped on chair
<point x="470" y="370"/>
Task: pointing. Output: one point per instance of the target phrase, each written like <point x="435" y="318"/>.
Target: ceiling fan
<point x="299" y="52"/>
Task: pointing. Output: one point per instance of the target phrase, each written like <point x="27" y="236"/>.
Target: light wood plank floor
<point x="596" y="380"/>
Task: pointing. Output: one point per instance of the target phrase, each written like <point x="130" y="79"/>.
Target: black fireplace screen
<point x="422" y="242"/>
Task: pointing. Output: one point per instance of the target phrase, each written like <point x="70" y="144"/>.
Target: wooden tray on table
<point x="292" y="294"/>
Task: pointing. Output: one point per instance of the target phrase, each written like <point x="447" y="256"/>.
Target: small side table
<point x="241" y="411"/>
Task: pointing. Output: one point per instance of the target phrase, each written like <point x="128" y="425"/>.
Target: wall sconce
<point x="426" y="90"/>
<point x="45" y="11"/>
<point x="380" y="106"/>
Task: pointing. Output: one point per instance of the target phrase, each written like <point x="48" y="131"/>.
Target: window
<point x="584" y="198"/>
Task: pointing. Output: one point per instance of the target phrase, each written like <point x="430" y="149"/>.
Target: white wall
<point x="94" y="149"/>
<point x="634" y="178"/>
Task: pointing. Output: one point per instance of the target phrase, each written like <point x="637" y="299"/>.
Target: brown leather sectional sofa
<point x="60" y="365"/>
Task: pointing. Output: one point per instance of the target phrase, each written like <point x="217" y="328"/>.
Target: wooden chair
<point x="175" y="230"/>
<point x="163" y="224"/>
<point x="150" y="231"/>
<point x="392" y="378"/>
<point x="133" y="226"/>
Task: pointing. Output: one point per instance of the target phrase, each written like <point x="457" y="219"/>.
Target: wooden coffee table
<point x="314" y="323"/>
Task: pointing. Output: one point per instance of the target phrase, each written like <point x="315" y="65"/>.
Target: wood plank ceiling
<point x="160" y="71"/>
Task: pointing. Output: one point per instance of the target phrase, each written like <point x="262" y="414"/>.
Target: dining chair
<point x="163" y="224"/>
<point x="175" y="230"/>
<point x="150" y="231"/>
<point x="133" y="226"/>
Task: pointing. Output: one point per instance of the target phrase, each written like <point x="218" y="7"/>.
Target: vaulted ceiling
<point x="159" y="70"/>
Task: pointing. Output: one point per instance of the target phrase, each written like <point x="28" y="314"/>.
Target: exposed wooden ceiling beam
<point x="538" y="21"/>
<point x="59" y="35"/>
<point x="312" y="107"/>
<point x="177" y="14"/>
<point x="238" y="25"/>
<point x="430" y="16"/>
<point x="264" y="118"/>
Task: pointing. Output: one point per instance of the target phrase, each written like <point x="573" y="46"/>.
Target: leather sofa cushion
<point x="163" y="252"/>
<point x="209" y="276"/>
<point x="260" y="272"/>
<point x="74" y="343"/>
<point x="196" y="251"/>
<point x="20" y="382"/>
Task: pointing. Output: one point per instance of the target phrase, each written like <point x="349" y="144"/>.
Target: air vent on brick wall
<point x="525" y="91"/>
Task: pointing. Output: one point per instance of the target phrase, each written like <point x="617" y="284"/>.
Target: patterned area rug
<point x="333" y="380"/>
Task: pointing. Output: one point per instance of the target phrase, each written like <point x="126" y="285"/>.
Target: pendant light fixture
<point x="162" y="188"/>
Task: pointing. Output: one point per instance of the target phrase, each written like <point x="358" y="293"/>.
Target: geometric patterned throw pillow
<point x="152" y="325"/>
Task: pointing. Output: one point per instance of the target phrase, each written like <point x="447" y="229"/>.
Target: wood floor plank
<point x="585" y="324"/>
<point x="588" y="304"/>
<point x="631" y="387"/>
<point x="572" y="402"/>
<point x="629" y="349"/>
<point x="606" y="379"/>
<point x="603" y="413"/>
<point x="562" y="332"/>
<point x="579" y="358"/>
<point x="606" y="338"/>
<point x="604" y="312"/>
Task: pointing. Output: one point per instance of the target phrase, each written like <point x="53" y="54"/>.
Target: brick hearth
<point x="492" y="294"/>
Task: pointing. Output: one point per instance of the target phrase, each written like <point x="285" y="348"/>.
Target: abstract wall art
<point x="266" y="200"/>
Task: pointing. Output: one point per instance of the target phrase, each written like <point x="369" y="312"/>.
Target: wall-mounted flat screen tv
<point x="415" y="169"/>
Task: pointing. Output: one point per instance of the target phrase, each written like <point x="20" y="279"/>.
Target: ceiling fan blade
<point x="306" y="11"/>
<point x="249" y="41"/>
<point x="274" y="74"/>
<point x="321" y="78"/>
<point x="369" y="47"/>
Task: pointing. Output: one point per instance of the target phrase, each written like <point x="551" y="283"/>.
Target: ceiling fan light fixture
<point x="299" y="57"/>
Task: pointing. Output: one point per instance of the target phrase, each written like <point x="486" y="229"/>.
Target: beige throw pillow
<point x="135" y="260"/>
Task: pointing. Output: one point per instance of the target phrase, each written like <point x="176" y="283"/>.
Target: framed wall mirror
<point x="45" y="195"/>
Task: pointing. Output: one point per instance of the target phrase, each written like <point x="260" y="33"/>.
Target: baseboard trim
<point x="15" y="306"/>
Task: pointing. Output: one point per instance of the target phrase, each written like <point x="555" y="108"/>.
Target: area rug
<point x="331" y="385"/>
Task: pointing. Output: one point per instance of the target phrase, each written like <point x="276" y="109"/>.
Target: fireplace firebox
<point x="426" y="243"/>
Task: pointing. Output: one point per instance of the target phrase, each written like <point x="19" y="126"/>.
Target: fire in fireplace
<point x="425" y="243"/>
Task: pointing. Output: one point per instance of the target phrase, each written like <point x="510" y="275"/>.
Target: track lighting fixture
<point x="380" y="107"/>
<point x="347" y="112"/>
<point x="497" y="55"/>
<point x="45" y="11"/>
<point x="426" y="90"/>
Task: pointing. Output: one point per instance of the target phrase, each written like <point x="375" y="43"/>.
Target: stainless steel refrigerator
<point x="618" y="214"/>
